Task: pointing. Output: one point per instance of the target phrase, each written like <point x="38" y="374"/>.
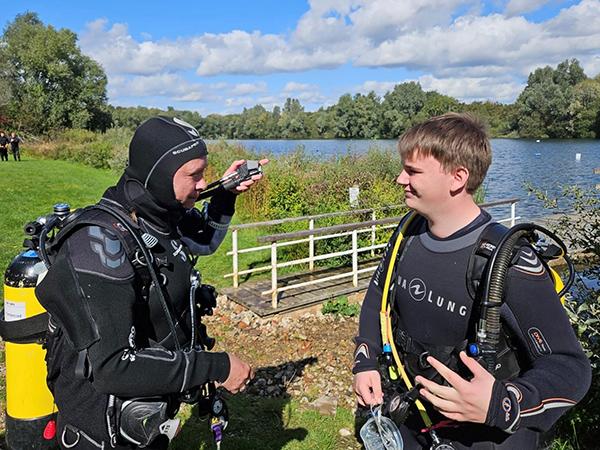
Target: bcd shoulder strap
<point x="489" y="239"/>
<point x="126" y="230"/>
<point x="33" y="329"/>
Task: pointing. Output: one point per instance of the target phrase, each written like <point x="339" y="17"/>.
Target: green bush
<point x="287" y="197"/>
<point x="119" y="139"/>
<point x="341" y="307"/>
<point x="95" y="154"/>
<point x="579" y="428"/>
<point x="75" y="136"/>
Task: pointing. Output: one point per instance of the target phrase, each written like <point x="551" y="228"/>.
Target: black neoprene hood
<point x="159" y="147"/>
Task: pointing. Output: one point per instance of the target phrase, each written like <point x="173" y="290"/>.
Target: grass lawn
<point x="270" y="424"/>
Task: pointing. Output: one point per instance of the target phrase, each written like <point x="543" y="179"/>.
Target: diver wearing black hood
<point x="114" y="334"/>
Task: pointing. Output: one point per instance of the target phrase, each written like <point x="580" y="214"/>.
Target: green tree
<point x="544" y="105"/>
<point x="211" y="126"/>
<point x="437" y="104"/>
<point x="367" y="116"/>
<point x="344" y="116"/>
<point x="499" y="117"/>
<point x="254" y="122"/>
<point x="5" y="97"/>
<point x="585" y="109"/>
<point x="53" y="84"/>
<point x="292" y="122"/>
<point x="400" y="108"/>
<point x="324" y="123"/>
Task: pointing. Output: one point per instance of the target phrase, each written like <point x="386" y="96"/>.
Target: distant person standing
<point x="14" y="146"/>
<point x="3" y="146"/>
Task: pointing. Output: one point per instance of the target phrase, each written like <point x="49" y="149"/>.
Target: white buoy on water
<point x="577" y="156"/>
<point x="537" y="140"/>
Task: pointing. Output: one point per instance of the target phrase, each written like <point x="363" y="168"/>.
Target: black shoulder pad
<point x="489" y="239"/>
<point x="98" y="242"/>
<point x="92" y="216"/>
<point x="97" y="250"/>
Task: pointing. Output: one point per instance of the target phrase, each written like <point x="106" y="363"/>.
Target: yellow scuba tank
<point x="29" y="403"/>
<point x="559" y="284"/>
<point x="30" y="409"/>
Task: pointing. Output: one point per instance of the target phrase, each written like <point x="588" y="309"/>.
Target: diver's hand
<point x="245" y="185"/>
<point x="464" y="400"/>
<point x="367" y="387"/>
<point x="240" y="374"/>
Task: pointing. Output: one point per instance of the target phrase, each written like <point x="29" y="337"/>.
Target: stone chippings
<point x="307" y="357"/>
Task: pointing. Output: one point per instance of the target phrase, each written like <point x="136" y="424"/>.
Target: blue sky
<point x="219" y="57"/>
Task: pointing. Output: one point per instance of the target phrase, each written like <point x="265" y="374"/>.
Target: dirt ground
<point x="307" y="355"/>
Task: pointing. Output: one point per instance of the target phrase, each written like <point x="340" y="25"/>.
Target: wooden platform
<point x="248" y="293"/>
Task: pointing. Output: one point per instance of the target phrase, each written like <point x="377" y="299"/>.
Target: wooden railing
<point x="312" y="235"/>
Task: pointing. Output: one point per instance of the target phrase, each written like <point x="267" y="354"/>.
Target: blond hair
<point x="454" y="140"/>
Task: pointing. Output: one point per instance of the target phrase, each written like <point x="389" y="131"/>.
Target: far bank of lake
<point x="546" y="164"/>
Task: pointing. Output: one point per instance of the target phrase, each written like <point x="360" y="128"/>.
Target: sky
<point x="222" y="56"/>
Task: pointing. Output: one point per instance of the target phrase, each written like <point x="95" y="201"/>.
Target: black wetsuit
<point x="14" y="146"/>
<point x="133" y="353"/>
<point x="3" y="148"/>
<point x="433" y="306"/>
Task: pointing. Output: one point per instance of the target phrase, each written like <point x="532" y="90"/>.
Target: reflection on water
<point x="545" y="164"/>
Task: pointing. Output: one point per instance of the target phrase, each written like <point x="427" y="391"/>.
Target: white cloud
<point x="244" y="101"/>
<point x="472" y="89"/>
<point x="446" y="40"/>
<point x="469" y="41"/>
<point x="579" y="20"/>
<point x="162" y="85"/>
<point x="416" y="34"/>
<point x="379" y="87"/>
<point x="516" y="7"/>
<point x="381" y="20"/>
<point x="119" y="53"/>
<point x="591" y="65"/>
<point x="249" y="88"/>
<point x="293" y="86"/>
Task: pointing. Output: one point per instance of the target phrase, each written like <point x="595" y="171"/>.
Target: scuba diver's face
<point x="426" y="184"/>
<point x="189" y="181"/>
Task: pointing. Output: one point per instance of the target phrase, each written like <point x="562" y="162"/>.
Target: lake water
<point x="546" y="165"/>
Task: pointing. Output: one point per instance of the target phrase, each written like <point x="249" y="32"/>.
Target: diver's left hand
<point x="464" y="400"/>
<point x="245" y="185"/>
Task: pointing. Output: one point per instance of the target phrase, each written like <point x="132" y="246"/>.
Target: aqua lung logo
<point x="417" y="289"/>
<point x="506" y="406"/>
<point x="420" y="293"/>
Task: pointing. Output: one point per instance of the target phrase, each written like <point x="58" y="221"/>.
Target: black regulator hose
<point x="489" y="327"/>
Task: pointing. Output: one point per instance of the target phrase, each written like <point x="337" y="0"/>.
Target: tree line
<point x="47" y="84"/>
